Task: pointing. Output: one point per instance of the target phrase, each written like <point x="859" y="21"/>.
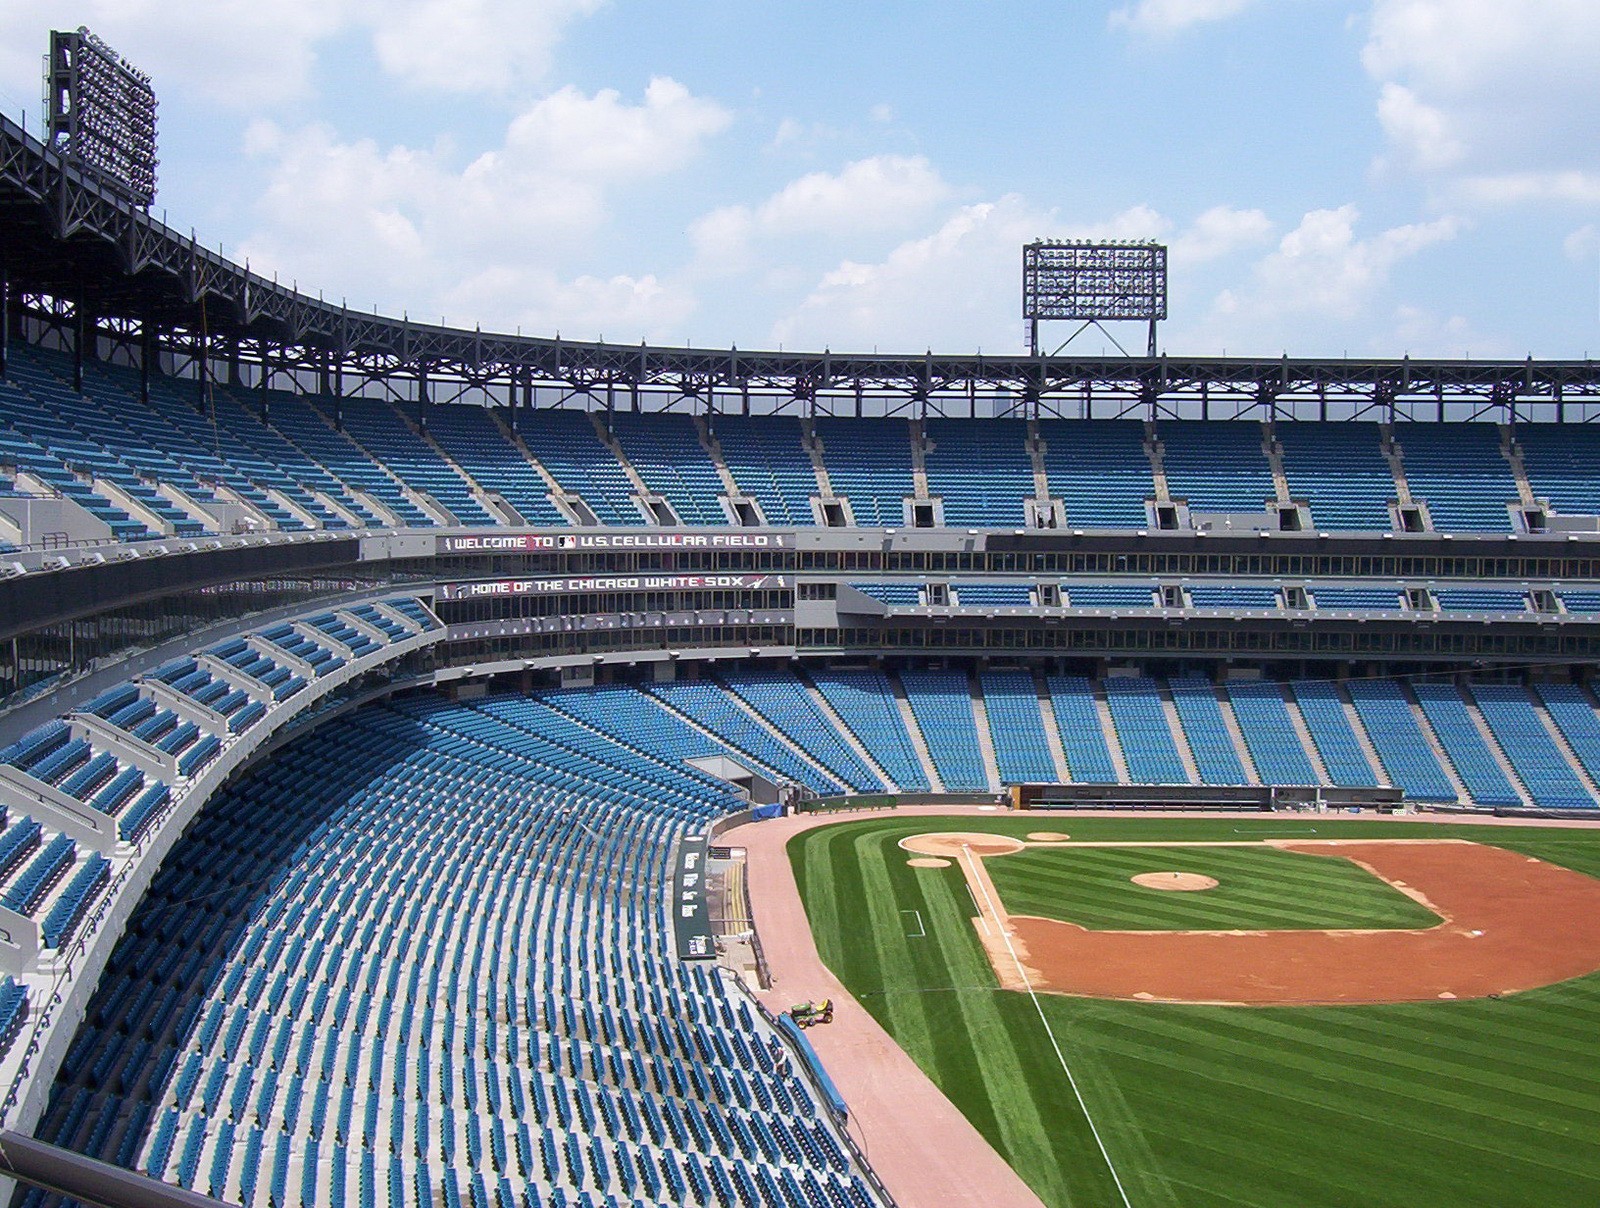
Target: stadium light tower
<point x="100" y="112"/>
<point x="1093" y="284"/>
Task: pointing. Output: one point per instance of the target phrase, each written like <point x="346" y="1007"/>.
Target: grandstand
<point x="352" y="742"/>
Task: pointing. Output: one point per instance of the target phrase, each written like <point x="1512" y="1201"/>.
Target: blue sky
<point x="1362" y="177"/>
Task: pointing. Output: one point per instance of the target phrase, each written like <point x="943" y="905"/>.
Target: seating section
<point x="711" y="707"/>
<point x="865" y="702"/>
<point x="941" y="702"/>
<point x="1142" y="730"/>
<point x="1108" y="595"/>
<point x="993" y="595"/>
<point x="1341" y="470"/>
<point x="1463" y="744"/>
<point x="1016" y="727"/>
<point x="869" y="463"/>
<point x="1532" y="752"/>
<point x="567" y="445"/>
<point x="993" y="499"/>
<point x="1323" y="710"/>
<point x="1099" y="470"/>
<point x="1083" y="741"/>
<point x="767" y="457"/>
<point x="1215" y="756"/>
<point x="1234" y="596"/>
<point x="1572" y="709"/>
<point x="1479" y="599"/>
<point x="433" y="1022"/>
<point x="1459" y="472"/>
<point x="186" y="462"/>
<point x="1217" y="466"/>
<point x="666" y="452"/>
<point x="1363" y="599"/>
<point x="1560" y="461"/>
<point x="1263" y="717"/>
<point x="781" y="699"/>
<point x="476" y="443"/>
<point x="896" y="595"/>
<point x="389" y="437"/>
<point x="1386" y="715"/>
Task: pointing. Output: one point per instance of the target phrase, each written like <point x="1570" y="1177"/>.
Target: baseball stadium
<point x="480" y="770"/>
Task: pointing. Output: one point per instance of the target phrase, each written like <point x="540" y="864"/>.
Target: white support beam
<point x="186" y="707"/>
<point x="149" y="759"/>
<point x="25" y="794"/>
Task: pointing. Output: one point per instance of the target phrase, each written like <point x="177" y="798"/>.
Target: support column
<point x="77" y="346"/>
<point x="147" y="357"/>
<point x="202" y="370"/>
<point x="422" y="396"/>
<point x="5" y="325"/>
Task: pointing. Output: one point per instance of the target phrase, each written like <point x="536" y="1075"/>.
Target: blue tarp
<point x="762" y="812"/>
<point x="830" y="1093"/>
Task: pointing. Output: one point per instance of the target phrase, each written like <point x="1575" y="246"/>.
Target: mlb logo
<point x="569" y="542"/>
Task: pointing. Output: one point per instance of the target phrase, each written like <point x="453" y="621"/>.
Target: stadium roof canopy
<point x="91" y="256"/>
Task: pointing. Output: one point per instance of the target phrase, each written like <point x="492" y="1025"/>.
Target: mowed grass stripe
<point x="1483" y="1122"/>
<point x="1298" y="1121"/>
<point x="1260" y="888"/>
<point x="1461" y="1104"/>
<point x="1316" y="1052"/>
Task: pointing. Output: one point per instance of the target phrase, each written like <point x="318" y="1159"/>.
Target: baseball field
<point x="1213" y="1011"/>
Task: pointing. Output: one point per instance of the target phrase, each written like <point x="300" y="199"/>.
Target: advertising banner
<point x="577" y="584"/>
<point x="691" y="913"/>
<point x="516" y="543"/>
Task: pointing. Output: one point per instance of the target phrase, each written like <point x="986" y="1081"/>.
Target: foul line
<point x="1005" y="934"/>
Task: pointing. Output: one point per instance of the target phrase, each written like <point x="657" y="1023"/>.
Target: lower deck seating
<point x="436" y="1021"/>
<point x="941" y="701"/>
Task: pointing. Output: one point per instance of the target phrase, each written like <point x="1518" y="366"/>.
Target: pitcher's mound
<point x="1178" y="882"/>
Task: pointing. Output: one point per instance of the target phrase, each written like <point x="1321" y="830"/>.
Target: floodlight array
<point x="102" y="113"/>
<point x="1094" y="282"/>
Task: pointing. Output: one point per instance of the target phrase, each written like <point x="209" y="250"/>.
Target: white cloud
<point x="1422" y="133"/>
<point x="952" y="288"/>
<point x="1489" y="89"/>
<point x="469" y="45"/>
<point x="1323" y="267"/>
<point x="1515" y="188"/>
<point x="1582" y="244"/>
<point x="411" y="224"/>
<point x="1219" y="232"/>
<point x="247" y="54"/>
<point x="1326" y="285"/>
<point x="240" y="53"/>
<point x="956" y="288"/>
<point x="870" y="196"/>
<point x="1166" y="17"/>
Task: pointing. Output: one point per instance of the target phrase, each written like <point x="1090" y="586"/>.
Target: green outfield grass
<point x="1469" y="1104"/>
<point x="1258" y="889"/>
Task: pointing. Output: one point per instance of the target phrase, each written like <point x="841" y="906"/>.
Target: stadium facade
<point x="364" y="686"/>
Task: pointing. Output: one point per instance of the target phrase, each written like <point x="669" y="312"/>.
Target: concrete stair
<point x="1495" y="749"/>
<point x="1252" y="775"/>
<point x="980" y="713"/>
<point x="1108" y="729"/>
<point x="1158" y="471"/>
<point x="846" y="733"/>
<point x="1303" y="732"/>
<point x="918" y="743"/>
<point x="1363" y="739"/>
<point x="1180" y="737"/>
<point x="1439" y="752"/>
<point x="919" y="460"/>
<point x="1052" y="731"/>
